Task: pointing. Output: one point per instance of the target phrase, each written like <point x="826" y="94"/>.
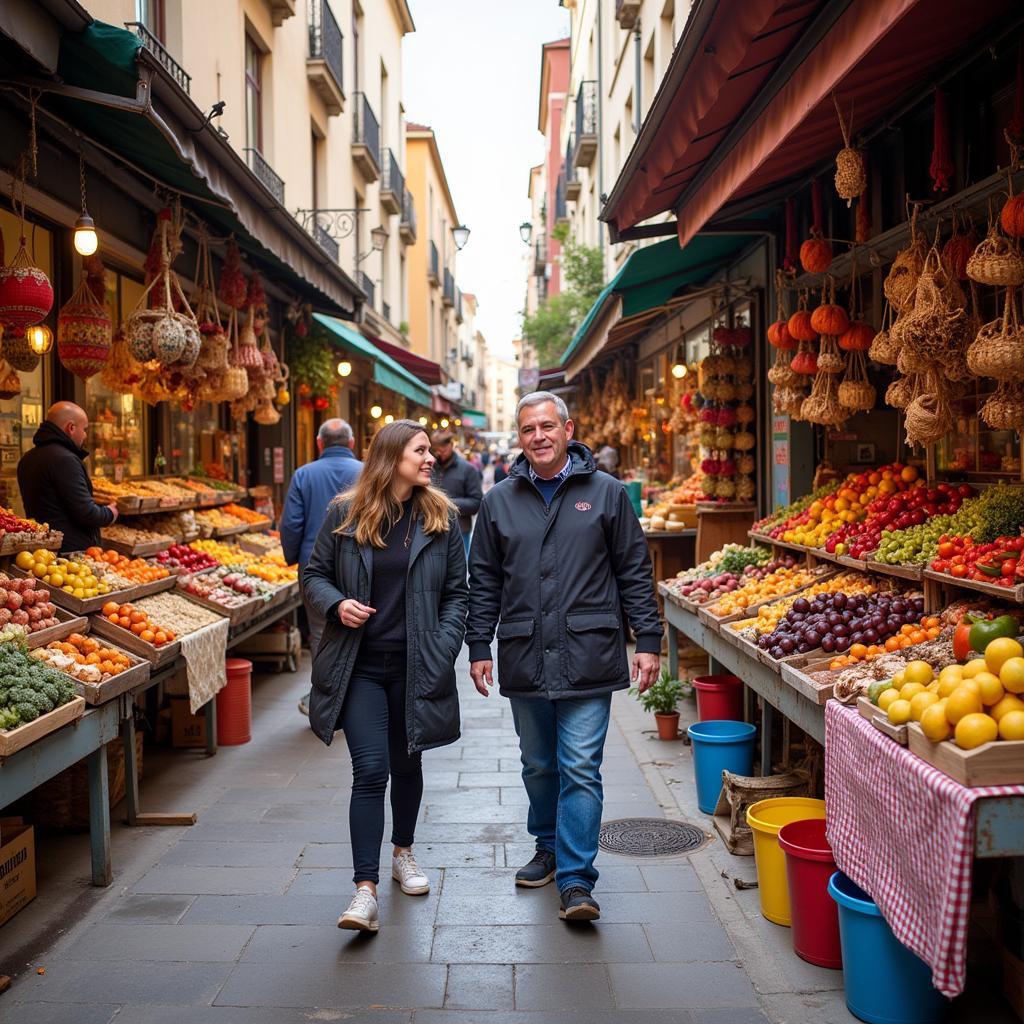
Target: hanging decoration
<point x="84" y="331"/>
<point x="816" y="252"/>
<point x="233" y="287"/>
<point x="998" y="350"/>
<point x="791" y="254"/>
<point x="10" y="382"/>
<point x="959" y="247"/>
<point x="901" y="281"/>
<point x="996" y="261"/>
<point x="862" y="221"/>
<point x="942" y="167"/>
<point x="851" y="176"/>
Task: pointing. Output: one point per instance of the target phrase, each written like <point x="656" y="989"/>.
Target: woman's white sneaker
<point x="407" y="873"/>
<point x="362" y="914"/>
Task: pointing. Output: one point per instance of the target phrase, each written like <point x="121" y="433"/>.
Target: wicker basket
<point x="996" y="262"/>
<point x="998" y="350"/>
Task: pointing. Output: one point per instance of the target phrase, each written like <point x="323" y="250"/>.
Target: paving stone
<point x="554" y="943"/>
<point x="563" y="987"/>
<point x="670" y="878"/>
<point x="444" y="813"/>
<point x="328" y="944"/>
<point x="479" y="987"/>
<point x="94" y="981"/>
<point x="264" y="910"/>
<point x="251" y="1015"/>
<point x="263" y="796"/>
<point x="693" y="985"/>
<point x="149" y="909"/>
<point x="237" y="855"/>
<point x="654" y="907"/>
<point x="428" y="855"/>
<point x="466" y="832"/>
<point x="266" y="832"/>
<point x="61" y="1013"/>
<point x="470" y="779"/>
<point x="555" y="1017"/>
<point x="214" y="880"/>
<point x="731" y="1016"/>
<point x="165" y="942"/>
<point x="679" y="942"/>
<point x="315" y="985"/>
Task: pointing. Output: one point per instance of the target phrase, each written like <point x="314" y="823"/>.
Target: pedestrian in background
<point x="500" y="468"/>
<point x="557" y="556"/>
<point x="458" y="479"/>
<point x="388" y="574"/>
<point x="313" y="487"/>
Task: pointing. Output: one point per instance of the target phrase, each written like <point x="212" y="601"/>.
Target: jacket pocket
<point x="436" y="675"/>
<point x="595" y="648"/>
<point x="517" y="659"/>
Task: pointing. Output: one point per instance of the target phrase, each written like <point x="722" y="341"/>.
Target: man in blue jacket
<point x="313" y="487"/>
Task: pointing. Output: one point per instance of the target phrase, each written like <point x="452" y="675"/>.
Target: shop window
<point x="192" y="438"/>
<point x="20" y="416"/>
<point x="118" y="429"/>
<point x="253" y="95"/>
<point x="152" y="14"/>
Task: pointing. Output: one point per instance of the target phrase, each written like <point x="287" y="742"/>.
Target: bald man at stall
<point x="55" y="486"/>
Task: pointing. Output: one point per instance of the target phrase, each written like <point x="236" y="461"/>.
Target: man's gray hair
<point x="334" y="432"/>
<point x="539" y="398"/>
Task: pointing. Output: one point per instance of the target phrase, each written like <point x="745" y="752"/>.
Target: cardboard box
<point x="187" y="730"/>
<point x="17" y="869"/>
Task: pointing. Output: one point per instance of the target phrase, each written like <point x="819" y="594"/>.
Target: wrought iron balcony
<point x="392" y="183"/>
<point x="266" y="174"/>
<point x="407" y="225"/>
<point x="324" y="64"/>
<point x="627" y="11"/>
<point x="434" y="265"/>
<point x="448" y="294"/>
<point x="365" y="139"/>
<point x="572" y="179"/>
<point x="364" y="282"/>
<point x="561" y="216"/>
<point x="586" y="124"/>
<point x="540" y="256"/>
<point x="155" y="47"/>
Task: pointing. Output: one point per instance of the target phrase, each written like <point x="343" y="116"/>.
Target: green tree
<point x="551" y="328"/>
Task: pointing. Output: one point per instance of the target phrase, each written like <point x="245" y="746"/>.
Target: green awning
<point x="474" y="418"/>
<point x="386" y="371"/>
<point x="652" y="275"/>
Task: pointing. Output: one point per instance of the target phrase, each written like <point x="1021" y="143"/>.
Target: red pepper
<point x="1009" y="567"/>
<point x="962" y="640"/>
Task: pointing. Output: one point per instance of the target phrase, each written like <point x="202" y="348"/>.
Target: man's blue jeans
<point x="562" y="744"/>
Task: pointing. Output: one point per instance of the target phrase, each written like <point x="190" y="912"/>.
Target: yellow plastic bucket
<point x="765" y="818"/>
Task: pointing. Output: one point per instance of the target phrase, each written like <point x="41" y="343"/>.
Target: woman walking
<point x="388" y="573"/>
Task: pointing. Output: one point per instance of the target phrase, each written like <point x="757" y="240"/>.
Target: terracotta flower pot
<point x="668" y="725"/>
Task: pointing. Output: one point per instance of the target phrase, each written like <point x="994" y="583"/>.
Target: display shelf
<point x="903" y="572"/>
<point x="76" y="605"/>
<point x="13" y="740"/>
<point x="235" y="615"/>
<point x="797" y="674"/>
<point x="67" y="624"/>
<point x="992" y="589"/>
<point x="143" y="550"/>
<point x="127" y="640"/>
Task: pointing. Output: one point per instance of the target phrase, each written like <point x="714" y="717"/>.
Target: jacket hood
<point x="50" y="433"/>
<point x="582" y="462"/>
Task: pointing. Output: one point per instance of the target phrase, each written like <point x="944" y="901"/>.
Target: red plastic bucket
<point x="719" y="698"/>
<point x="815" y="918"/>
<point x="234" y="704"/>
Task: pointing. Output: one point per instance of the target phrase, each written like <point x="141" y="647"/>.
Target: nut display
<point x="181" y="614"/>
<point x="133" y="536"/>
<point x="247" y="515"/>
<point x="212" y="519"/>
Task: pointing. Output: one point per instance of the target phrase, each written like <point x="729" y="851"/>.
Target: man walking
<point x="557" y="556"/>
<point x="459" y="479"/>
<point x="314" y="486"/>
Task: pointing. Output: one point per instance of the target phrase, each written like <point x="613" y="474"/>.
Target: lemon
<point x="951" y="672"/>
<point x="910" y="690"/>
<point x="934" y="724"/>
<point x="56" y="579"/>
<point x="963" y="701"/>
<point x="899" y="679"/>
<point x="1011" y="675"/>
<point x="919" y="702"/>
<point x="974" y="730"/>
<point x="886" y="697"/>
<point x="77" y="592"/>
<point x="1007" y="704"/>
<point x="1011" y="725"/>
<point x="24" y="560"/>
<point x="973" y="667"/>
<point x="991" y="688"/>
<point x="898" y="712"/>
<point x="1001" y="650"/>
<point x="67" y="588"/>
<point x="933" y="687"/>
<point x="918" y="672"/>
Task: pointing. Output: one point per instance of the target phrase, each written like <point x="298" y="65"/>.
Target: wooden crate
<point x="76" y="605"/>
<point x="876" y="716"/>
<point x="999" y="763"/>
<point x="234" y="615"/>
<point x="1006" y="593"/>
<point x="797" y="674"/>
<point x="68" y="623"/>
<point x="904" y="572"/>
<point x="17" y="739"/>
<point x="140" y="550"/>
<point x="230" y="531"/>
<point x="129" y="642"/>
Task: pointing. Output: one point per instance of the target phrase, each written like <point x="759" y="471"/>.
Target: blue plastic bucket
<point x="718" y="747"/>
<point x="885" y="983"/>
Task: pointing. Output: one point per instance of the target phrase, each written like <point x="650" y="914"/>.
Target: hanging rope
<point x="862" y="224"/>
<point x="942" y="167"/>
<point x="792" y="248"/>
<point x="1014" y="131"/>
<point x="817" y="209"/>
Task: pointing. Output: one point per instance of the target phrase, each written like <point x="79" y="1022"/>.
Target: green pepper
<point x="983" y="633"/>
<point x="989" y="570"/>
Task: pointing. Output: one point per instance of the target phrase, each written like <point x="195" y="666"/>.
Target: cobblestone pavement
<point x="232" y="921"/>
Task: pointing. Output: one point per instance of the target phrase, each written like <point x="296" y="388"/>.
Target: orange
<point x="147" y="635"/>
<point x="124" y="622"/>
<point x="963" y="701"/>
<point x="110" y="608"/>
<point x="991" y="688"/>
<point x="974" y="730"/>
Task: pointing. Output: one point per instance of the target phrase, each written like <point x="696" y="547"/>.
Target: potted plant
<point x="661" y="698"/>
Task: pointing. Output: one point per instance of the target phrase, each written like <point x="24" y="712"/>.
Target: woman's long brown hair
<point x="372" y="508"/>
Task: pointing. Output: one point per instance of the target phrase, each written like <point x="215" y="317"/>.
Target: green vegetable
<point x="1002" y="513"/>
<point x="738" y="559"/>
<point x="984" y="632"/>
<point x="877" y="688"/>
<point x="29" y="688"/>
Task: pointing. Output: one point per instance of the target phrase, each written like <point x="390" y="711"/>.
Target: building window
<point x="151" y="14"/>
<point x="253" y="95"/>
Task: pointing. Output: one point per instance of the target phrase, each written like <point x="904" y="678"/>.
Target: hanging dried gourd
<point x="829" y="318"/>
<point x="859" y="334"/>
<point x="901" y="280"/>
<point x="958" y="248"/>
<point x="778" y="332"/>
<point x="805" y="362"/>
<point x="816" y="252"/>
<point x="799" y="324"/>
<point x="851" y="176"/>
<point x="235" y="381"/>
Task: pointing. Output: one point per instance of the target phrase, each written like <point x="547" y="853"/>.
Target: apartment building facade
<point x="501" y="395"/>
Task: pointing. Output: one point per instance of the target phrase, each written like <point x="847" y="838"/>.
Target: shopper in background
<point x="313" y="487"/>
<point x="607" y="459"/>
<point x="54" y="483"/>
<point x="500" y="468"/>
<point x="458" y="479"/>
<point x="388" y="573"/>
<point x="558" y="556"/>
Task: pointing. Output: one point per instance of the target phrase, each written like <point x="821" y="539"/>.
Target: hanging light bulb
<point x="423" y="421"/>
<point x="86" y="239"/>
<point x="444" y="424"/>
<point x="40" y="339"/>
<point x="389" y="418"/>
<point x="376" y="412"/>
<point x="344" y="368"/>
<point x="679" y="371"/>
<point x="458" y="423"/>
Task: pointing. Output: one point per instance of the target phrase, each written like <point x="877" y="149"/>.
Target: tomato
<point x="1009" y="567"/>
<point x="959" y="571"/>
<point x="946" y="550"/>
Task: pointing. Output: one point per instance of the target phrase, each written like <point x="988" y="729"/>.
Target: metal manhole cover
<point x="650" y="837"/>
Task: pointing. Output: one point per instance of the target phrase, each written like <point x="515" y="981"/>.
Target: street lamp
<point x="344" y="368"/>
<point x="461" y="236"/>
<point x="375" y="412"/>
<point x="526" y="232"/>
<point x="378" y="239"/>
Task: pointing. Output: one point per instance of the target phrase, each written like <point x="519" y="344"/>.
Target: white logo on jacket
<point x="583" y="506"/>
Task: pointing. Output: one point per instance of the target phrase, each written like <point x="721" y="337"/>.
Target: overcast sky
<point x="472" y="72"/>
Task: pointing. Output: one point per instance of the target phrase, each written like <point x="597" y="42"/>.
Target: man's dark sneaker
<point x="538" y="872"/>
<point x="578" y="905"/>
<point x="304" y="703"/>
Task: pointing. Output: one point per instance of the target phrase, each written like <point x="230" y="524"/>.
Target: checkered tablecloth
<point x="904" y="832"/>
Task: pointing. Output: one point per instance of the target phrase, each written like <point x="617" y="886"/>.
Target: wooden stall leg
<point x="673" y="651"/>
<point x="210" y="712"/>
<point x="767" y="727"/>
<point x="99" y="817"/>
<point x="131" y="772"/>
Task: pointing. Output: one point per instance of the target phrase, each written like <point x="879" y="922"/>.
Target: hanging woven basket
<point x="995" y="262"/>
<point x="26" y="295"/>
<point x="84" y="333"/>
<point x="998" y="350"/>
<point x="17" y="351"/>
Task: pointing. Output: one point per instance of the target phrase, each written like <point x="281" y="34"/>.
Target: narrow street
<point x="234" y="918"/>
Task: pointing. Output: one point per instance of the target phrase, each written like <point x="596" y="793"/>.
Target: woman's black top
<point x="385" y="630"/>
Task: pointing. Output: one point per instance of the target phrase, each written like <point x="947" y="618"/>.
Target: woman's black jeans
<point x="373" y="717"/>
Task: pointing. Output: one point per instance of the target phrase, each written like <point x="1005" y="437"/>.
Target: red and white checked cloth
<point x="904" y="832"/>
